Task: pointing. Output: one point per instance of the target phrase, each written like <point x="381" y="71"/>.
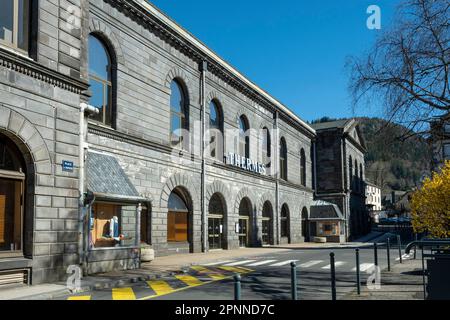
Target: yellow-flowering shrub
<point x="430" y="205"/>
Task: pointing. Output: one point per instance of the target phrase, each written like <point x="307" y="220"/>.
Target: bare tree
<point x="407" y="71"/>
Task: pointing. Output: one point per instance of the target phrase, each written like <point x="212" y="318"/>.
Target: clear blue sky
<point x="294" y="49"/>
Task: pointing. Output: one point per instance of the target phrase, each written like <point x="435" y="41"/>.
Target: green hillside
<point x="391" y="161"/>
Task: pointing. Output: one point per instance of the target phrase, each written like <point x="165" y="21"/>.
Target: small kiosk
<point x="326" y="221"/>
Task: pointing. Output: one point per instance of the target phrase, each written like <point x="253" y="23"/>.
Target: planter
<point x="320" y="240"/>
<point x="147" y="254"/>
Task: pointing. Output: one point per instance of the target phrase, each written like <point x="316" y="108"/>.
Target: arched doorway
<point x="305" y="224"/>
<point x="179" y="220"/>
<point x="267" y="224"/>
<point x="216" y="225"/>
<point x="284" y="224"/>
<point x="12" y="196"/>
<point x="245" y="222"/>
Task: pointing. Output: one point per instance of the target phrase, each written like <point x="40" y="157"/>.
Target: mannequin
<point x="114" y="228"/>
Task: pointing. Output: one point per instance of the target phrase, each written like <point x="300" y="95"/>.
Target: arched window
<point x="283" y="159"/>
<point x="245" y="222"/>
<point x="266" y="146"/>
<point x="303" y="167"/>
<point x="284" y="223"/>
<point x="15" y="23"/>
<point x="244" y="137"/>
<point x="101" y="80"/>
<point x="12" y="194"/>
<point x="216" y="130"/>
<point x="356" y="183"/>
<point x="178" y="114"/>
<point x="216" y="219"/>
<point x="350" y="172"/>
<point x="177" y="218"/>
<point x="361" y="177"/>
<point x="267" y="223"/>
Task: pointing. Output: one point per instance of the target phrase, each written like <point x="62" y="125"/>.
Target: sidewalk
<point x="404" y="282"/>
<point x="160" y="267"/>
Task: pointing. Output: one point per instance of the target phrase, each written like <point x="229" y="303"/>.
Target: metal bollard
<point x="333" y="277"/>
<point x="399" y="243"/>
<point x="358" y="275"/>
<point x="375" y="253"/>
<point x="294" y="280"/>
<point x="415" y="248"/>
<point x="237" y="287"/>
<point x="388" y="252"/>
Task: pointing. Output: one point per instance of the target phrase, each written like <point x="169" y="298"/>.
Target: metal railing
<point x="436" y="249"/>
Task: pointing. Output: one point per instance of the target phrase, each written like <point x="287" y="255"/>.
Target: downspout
<point x="82" y="214"/>
<point x="203" y="69"/>
<point x="277" y="180"/>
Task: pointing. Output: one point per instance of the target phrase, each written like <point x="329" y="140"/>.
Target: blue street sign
<point x="67" y="166"/>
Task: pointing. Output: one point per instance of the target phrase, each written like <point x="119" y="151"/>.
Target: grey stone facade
<point x="40" y="106"/>
<point x="340" y="171"/>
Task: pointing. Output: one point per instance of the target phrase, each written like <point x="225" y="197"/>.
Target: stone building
<point x="440" y="141"/>
<point x="119" y="129"/>
<point x="340" y="172"/>
<point x="373" y="196"/>
<point x="104" y="104"/>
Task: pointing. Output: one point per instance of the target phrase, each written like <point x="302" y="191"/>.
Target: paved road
<point x="264" y="277"/>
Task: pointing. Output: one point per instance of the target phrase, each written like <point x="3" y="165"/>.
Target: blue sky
<point x="294" y="49"/>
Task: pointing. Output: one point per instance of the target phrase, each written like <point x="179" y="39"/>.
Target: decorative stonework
<point x="268" y="196"/>
<point x="243" y="193"/>
<point x="217" y="187"/>
<point x="184" y="181"/>
<point x="98" y="27"/>
<point x="21" y="130"/>
<point x="34" y="70"/>
<point x="180" y="74"/>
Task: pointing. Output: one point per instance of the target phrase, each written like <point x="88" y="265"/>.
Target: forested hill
<point x="393" y="163"/>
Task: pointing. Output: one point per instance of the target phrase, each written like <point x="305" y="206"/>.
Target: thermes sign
<point x="246" y="164"/>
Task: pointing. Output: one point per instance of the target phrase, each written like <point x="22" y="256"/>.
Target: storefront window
<point x="112" y="225"/>
<point x="12" y="183"/>
<point x="177" y="219"/>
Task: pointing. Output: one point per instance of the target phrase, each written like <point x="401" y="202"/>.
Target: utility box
<point x="438" y="278"/>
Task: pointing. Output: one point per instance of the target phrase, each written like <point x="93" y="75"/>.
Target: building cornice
<point x="31" y="68"/>
<point x="146" y="14"/>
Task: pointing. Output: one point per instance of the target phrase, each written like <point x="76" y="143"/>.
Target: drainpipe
<point x="203" y="69"/>
<point x="277" y="180"/>
<point x="315" y="167"/>
<point x="83" y="146"/>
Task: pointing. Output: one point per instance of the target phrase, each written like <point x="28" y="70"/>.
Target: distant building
<point x="373" y="197"/>
<point x="340" y="172"/>
<point x="440" y="141"/>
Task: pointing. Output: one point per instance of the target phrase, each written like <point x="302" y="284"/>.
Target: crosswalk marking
<point x="189" y="280"/>
<point x="239" y="263"/>
<point x="235" y="269"/>
<point x="260" y="263"/>
<point x="123" y="294"/>
<point x="364" y="267"/>
<point x="310" y="263"/>
<point x="404" y="257"/>
<point x="336" y="264"/>
<point x="79" y="298"/>
<point x="283" y="263"/>
<point x="208" y="272"/>
<point x="217" y="263"/>
<point x="160" y="287"/>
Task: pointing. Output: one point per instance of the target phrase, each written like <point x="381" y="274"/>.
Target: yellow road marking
<point x="189" y="280"/>
<point x="210" y="273"/>
<point x="236" y="269"/>
<point x="123" y="294"/>
<point x="160" y="287"/>
<point x="188" y="287"/>
<point x="80" y="298"/>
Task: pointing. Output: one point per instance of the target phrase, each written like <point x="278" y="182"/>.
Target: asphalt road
<point x="264" y="277"/>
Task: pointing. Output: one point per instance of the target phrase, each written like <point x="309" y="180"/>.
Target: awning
<point x="323" y="210"/>
<point x="107" y="180"/>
